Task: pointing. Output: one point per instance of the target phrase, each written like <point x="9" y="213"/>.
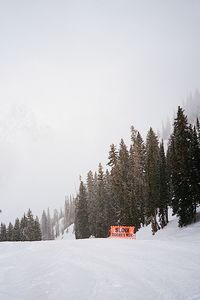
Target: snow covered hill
<point x="162" y="267"/>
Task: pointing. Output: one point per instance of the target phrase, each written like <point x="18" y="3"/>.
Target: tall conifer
<point x="164" y="189"/>
<point x="137" y="178"/>
<point x="92" y="203"/>
<point x="181" y="140"/>
<point x="153" y="180"/>
<point x="81" y="214"/>
<point x="115" y="188"/>
<point x="102" y="205"/>
<point x="10" y="232"/>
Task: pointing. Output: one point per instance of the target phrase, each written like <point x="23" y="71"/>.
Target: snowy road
<point x="100" y="269"/>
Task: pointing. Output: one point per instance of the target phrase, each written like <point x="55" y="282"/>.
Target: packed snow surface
<point x="162" y="267"/>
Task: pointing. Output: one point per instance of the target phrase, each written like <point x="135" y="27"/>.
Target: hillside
<point x="163" y="267"/>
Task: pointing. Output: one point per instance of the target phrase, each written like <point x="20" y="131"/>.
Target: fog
<point x="74" y="76"/>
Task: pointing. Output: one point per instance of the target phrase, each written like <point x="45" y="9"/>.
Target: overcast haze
<point x="74" y="76"/>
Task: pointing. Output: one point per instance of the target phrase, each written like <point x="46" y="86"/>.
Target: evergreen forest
<point x="142" y="182"/>
<point x="25" y="229"/>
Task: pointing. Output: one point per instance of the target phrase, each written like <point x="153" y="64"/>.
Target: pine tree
<point x="198" y="151"/>
<point x="194" y="169"/>
<point x="92" y="203"/>
<point x="66" y="213"/>
<point x="30" y="228"/>
<point x="61" y="214"/>
<point x="164" y="190"/>
<point x="81" y="214"/>
<point x="71" y="210"/>
<point x="55" y="223"/>
<point x="110" y="204"/>
<point x="23" y="228"/>
<point x="198" y="130"/>
<point x="173" y="202"/>
<point x="18" y="234"/>
<point x="125" y="200"/>
<point x="10" y="232"/>
<point x="49" y="226"/>
<point x="137" y="177"/>
<point x="37" y="230"/>
<point x="182" y="201"/>
<point x="102" y="209"/>
<point x="44" y="226"/>
<point x="153" y="180"/>
<point x="3" y="233"/>
<point x="114" y="186"/>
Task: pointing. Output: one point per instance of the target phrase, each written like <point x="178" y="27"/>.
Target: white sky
<point x="74" y="76"/>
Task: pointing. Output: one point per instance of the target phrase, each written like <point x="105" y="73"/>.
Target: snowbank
<point x="69" y="233"/>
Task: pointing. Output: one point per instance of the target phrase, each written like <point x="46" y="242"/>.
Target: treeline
<point x="29" y="228"/>
<point x="26" y="229"/>
<point x="142" y="182"/>
<point x="53" y="226"/>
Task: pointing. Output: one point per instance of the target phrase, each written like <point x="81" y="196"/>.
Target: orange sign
<point x="123" y="232"/>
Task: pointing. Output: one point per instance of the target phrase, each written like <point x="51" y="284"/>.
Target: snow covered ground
<point x="68" y="233"/>
<point x="162" y="267"/>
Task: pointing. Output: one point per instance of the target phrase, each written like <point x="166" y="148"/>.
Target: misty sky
<point x="74" y="76"/>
